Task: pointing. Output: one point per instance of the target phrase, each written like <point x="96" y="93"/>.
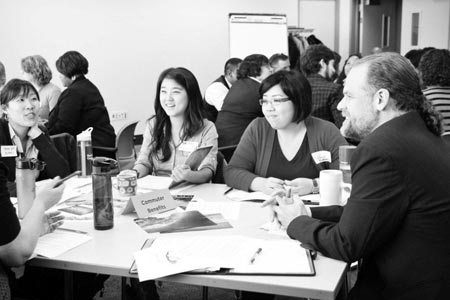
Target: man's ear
<point x="322" y="64"/>
<point x="381" y="98"/>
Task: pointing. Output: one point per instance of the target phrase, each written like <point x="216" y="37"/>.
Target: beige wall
<point x="433" y="23"/>
<point x="127" y="43"/>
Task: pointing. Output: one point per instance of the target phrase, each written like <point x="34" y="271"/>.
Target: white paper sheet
<point x="230" y="210"/>
<point x="59" y="241"/>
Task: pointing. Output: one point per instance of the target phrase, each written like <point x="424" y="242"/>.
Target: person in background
<point x="278" y="62"/>
<point x="397" y="218"/>
<point x="317" y="64"/>
<point x="415" y="55"/>
<point x="216" y="91"/>
<point x="36" y="70"/>
<point x="19" y="128"/>
<point x="347" y="67"/>
<point x="337" y="61"/>
<point x="81" y="105"/>
<point x="241" y="105"/>
<point x="2" y="75"/>
<point x="176" y="130"/>
<point x="434" y="68"/>
<point x="18" y="240"/>
<point x="285" y="146"/>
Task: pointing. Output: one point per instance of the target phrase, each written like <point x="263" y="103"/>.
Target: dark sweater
<point x="81" y="106"/>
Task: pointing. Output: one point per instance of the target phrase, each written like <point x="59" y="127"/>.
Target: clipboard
<point x="147" y="244"/>
<point x="194" y="161"/>
<point x="309" y="271"/>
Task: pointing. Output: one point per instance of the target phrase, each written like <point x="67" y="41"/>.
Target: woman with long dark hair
<point x="176" y="130"/>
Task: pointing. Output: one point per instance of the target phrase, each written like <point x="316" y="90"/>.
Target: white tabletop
<point x="111" y="252"/>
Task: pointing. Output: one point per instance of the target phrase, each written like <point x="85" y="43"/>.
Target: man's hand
<point x="284" y="209"/>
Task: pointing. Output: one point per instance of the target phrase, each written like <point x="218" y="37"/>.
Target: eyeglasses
<point x="274" y="102"/>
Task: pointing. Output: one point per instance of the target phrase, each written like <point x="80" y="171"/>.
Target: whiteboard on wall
<point x="257" y="34"/>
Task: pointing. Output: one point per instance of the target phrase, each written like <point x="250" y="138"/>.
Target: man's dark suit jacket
<point x="81" y="106"/>
<point x="397" y="219"/>
<point x="326" y="96"/>
<point x="240" y="107"/>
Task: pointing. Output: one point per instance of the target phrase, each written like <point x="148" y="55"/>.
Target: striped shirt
<point x="439" y="96"/>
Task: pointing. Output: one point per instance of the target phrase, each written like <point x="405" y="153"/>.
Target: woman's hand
<point x="34" y="131"/>
<point x="182" y="173"/>
<point x="300" y="186"/>
<point x="51" y="221"/>
<point x="48" y="195"/>
<point x="266" y="185"/>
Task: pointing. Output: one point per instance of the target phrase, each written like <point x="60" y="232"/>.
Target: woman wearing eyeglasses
<point x="287" y="146"/>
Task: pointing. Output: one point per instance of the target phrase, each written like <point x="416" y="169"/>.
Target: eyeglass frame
<point x="274" y="102"/>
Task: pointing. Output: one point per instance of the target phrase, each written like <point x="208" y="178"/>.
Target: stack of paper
<point x="227" y="254"/>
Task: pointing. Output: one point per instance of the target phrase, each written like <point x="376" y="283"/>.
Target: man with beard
<point x="317" y="63"/>
<point x="397" y="218"/>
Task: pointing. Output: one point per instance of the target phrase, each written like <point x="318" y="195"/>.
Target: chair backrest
<point x="66" y="145"/>
<point x="227" y="151"/>
<point x="221" y="163"/>
<point x="126" y="154"/>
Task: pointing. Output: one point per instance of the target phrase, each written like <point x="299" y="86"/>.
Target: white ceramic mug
<point x="331" y="186"/>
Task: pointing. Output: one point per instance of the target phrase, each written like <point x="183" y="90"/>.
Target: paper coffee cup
<point x="330" y="187"/>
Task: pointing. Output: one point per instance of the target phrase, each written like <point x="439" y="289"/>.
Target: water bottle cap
<point x="85" y="136"/>
<point x="102" y="164"/>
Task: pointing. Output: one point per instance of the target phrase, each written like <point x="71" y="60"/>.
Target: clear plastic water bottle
<point x="26" y="169"/>
<point x="84" y="152"/>
<point x="102" y="168"/>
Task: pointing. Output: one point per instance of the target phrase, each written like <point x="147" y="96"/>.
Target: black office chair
<point x="67" y="146"/>
<point x="227" y="151"/>
<point x="221" y="163"/>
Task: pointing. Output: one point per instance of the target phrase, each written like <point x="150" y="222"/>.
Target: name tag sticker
<point x="9" y="151"/>
<point x="153" y="203"/>
<point x="321" y="156"/>
<point x="188" y="146"/>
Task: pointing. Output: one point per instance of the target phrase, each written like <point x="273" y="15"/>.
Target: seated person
<point x="288" y="146"/>
<point x="177" y="129"/>
<point x="19" y="128"/>
<point x="216" y="91"/>
<point x="36" y="70"/>
<point x="278" y="62"/>
<point x="81" y="105"/>
<point x="240" y="105"/>
<point x="18" y="240"/>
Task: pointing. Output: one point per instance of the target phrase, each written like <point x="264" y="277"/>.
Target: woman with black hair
<point x="176" y="130"/>
<point x="351" y="59"/>
<point x="81" y="105"/>
<point x="288" y="146"/>
<point x="241" y="106"/>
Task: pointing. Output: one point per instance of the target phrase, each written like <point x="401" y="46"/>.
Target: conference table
<point x="111" y="252"/>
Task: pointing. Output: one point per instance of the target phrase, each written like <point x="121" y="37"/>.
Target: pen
<point x="71" y="230"/>
<point x="309" y="202"/>
<point x="227" y="191"/>
<point x="252" y="260"/>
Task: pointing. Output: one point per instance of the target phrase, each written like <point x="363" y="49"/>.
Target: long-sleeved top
<point x="207" y="136"/>
<point x="439" y="96"/>
<point x="252" y="156"/>
<point x="240" y="107"/>
<point x="48" y="97"/>
<point x="326" y="96"/>
<point x="81" y="106"/>
<point x="397" y="217"/>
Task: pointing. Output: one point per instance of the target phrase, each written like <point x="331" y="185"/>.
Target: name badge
<point x="188" y="146"/>
<point x="9" y="151"/>
<point x="321" y="156"/>
<point x="153" y="203"/>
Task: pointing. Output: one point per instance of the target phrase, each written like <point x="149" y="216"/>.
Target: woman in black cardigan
<point x="80" y="105"/>
<point x="21" y="135"/>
